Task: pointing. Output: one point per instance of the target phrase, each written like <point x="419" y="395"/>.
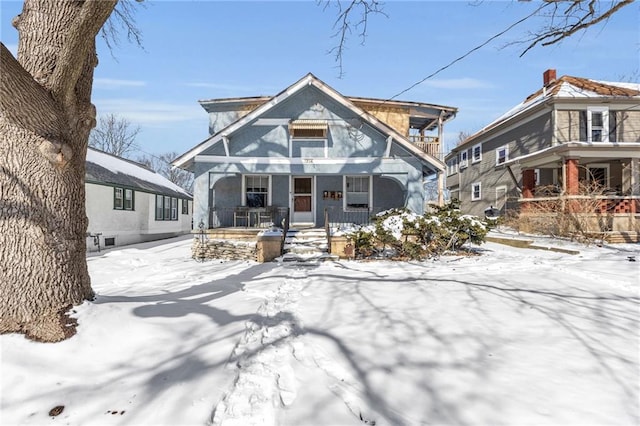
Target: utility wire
<point x="480" y="46"/>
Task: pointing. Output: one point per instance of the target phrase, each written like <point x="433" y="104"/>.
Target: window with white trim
<point x="256" y="191"/>
<point x="476" y="153"/>
<point x="464" y="159"/>
<point x="597" y="124"/>
<point x="185" y="206"/>
<point x="452" y="166"/>
<point x="502" y="154"/>
<point x="476" y="191"/>
<point x="357" y="190"/>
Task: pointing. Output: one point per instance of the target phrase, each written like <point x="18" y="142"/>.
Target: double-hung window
<point x="502" y="154"/>
<point x="185" y="206"/>
<point x="597" y="124"/>
<point x="166" y="207"/>
<point x="358" y="191"/>
<point x="464" y="159"/>
<point x="256" y="191"/>
<point x="123" y="199"/>
<point x="476" y="191"/>
<point x="452" y="166"/>
<point x="476" y="153"/>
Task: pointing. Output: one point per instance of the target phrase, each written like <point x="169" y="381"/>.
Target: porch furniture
<point x="241" y="214"/>
<point x="264" y="217"/>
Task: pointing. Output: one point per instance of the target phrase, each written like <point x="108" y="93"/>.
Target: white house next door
<point x="302" y="202"/>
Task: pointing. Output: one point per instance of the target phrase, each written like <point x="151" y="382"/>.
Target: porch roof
<point x="553" y="156"/>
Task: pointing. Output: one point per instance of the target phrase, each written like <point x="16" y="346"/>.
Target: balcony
<point x="428" y="144"/>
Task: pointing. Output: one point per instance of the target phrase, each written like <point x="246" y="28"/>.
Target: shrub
<point x="406" y="235"/>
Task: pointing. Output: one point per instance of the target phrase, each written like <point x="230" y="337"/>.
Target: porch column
<point x="635" y="176"/>
<point x="528" y="183"/>
<point x="571" y="182"/>
<point x="441" y="186"/>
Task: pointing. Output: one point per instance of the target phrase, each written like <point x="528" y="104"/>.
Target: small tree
<point x="114" y="135"/>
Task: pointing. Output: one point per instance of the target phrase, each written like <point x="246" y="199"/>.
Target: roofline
<point x="549" y="96"/>
<point x="307" y="80"/>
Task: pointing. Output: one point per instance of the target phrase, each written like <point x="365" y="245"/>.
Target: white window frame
<point x="536" y="173"/>
<point x="473" y="153"/>
<point x="464" y="159"/>
<point x="345" y="199"/>
<point x="118" y="198"/>
<point x="504" y="148"/>
<point x="473" y="191"/>
<point x="605" y="123"/>
<point x="244" y="188"/>
<point x="128" y="197"/>
<point x="452" y="168"/>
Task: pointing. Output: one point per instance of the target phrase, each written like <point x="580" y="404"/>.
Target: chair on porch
<point x="265" y="217"/>
<point x="241" y="214"/>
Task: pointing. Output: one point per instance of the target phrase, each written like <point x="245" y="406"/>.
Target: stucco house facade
<point x="310" y="151"/>
<point x="127" y="203"/>
<point x="573" y="133"/>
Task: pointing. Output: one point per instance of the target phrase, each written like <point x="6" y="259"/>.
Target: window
<point x="357" y="189"/>
<point x="174" y="209"/>
<point x="111" y="241"/>
<point x="595" y="125"/>
<point x="464" y="159"/>
<point x="476" y="153"/>
<point x="308" y="129"/>
<point x="452" y="166"/>
<point x="185" y="206"/>
<point x="159" y="207"/>
<point x="128" y="199"/>
<point x="476" y="191"/>
<point x="166" y="207"/>
<point x="123" y="199"/>
<point x="117" y="198"/>
<point x="598" y="176"/>
<point x="256" y="191"/>
<point x="502" y="154"/>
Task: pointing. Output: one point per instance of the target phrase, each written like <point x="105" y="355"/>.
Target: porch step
<point x="619" y="237"/>
<point x="306" y="245"/>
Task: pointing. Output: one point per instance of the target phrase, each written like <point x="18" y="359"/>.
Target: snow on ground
<point x="512" y="336"/>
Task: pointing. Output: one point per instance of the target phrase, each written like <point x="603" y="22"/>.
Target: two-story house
<point x="309" y="151"/>
<point x="572" y="135"/>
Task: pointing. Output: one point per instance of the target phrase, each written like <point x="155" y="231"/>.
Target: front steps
<point x="306" y="245"/>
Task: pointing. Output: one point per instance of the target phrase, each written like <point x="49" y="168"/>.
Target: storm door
<point x="302" y="200"/>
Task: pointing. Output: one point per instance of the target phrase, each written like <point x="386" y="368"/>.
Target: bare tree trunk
<point x="45" y="119"/>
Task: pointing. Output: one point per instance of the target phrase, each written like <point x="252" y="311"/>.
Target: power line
<point x="480" y="46"/>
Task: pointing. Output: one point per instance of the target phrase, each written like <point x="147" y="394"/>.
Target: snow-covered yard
<point x="512" y="336"/>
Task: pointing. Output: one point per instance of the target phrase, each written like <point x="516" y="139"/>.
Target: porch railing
<point x="429" y="144"/>
<point x="337" y="217"/>
<point x="587" y="204"/>
<point x="227" y="217"/>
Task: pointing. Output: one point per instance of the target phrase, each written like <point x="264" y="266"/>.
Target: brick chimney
<point x="549" y="77"/>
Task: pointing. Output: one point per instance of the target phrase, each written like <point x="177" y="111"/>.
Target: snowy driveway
<point x="514" y="336"/>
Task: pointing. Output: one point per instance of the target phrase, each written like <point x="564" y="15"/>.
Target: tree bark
<point x="45" y="119"/>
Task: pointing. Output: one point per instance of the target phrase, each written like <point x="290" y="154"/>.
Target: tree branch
<point x="78" y="44"/>
<point x="24" y="102"/>
<point x="582" y="18"/>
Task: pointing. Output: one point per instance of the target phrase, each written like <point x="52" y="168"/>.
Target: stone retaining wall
<point x="223" y="249"/>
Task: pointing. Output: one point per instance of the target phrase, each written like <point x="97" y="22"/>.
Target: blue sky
<point x="196" y="50"/>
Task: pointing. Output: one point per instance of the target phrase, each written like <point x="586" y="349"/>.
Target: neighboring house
<point x="310" y="150"/>
<point x="128" y="203"/>
<point x="573" y="131"/>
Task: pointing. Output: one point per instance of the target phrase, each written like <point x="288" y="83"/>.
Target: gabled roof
<point x="107" y="169"/>
<point x="308" y="80"/>
<point x="567" y="88"/>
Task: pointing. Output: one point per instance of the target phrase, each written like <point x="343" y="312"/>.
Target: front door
<point x="302" y="200"/>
